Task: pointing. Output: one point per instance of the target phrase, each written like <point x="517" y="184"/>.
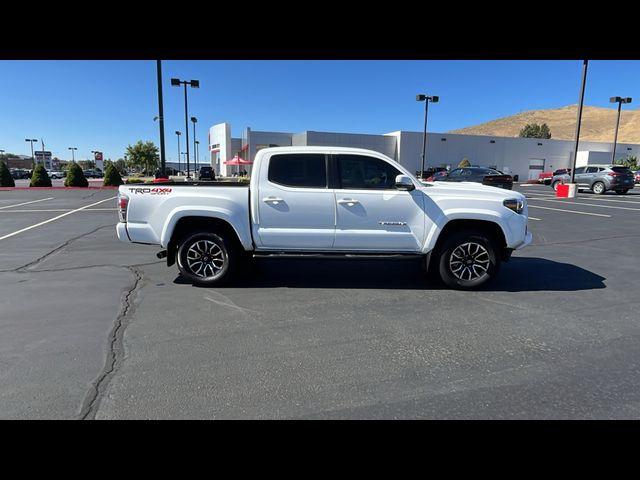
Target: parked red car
<point x="637" y="176"/>
<point x="545" y="177"/>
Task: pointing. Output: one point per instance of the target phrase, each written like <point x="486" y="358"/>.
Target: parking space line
<point x="26" y="203"/>
<point x="61" y="210"/>
<point x="587" y="204"/>
<point x="562" y="210"/>
<point x="534" y="218"/>
<point x="56" y="218"/>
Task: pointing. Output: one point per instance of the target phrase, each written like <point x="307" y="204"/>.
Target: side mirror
<point x="404" y="182"/>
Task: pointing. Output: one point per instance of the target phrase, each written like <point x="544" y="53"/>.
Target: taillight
<point x="123" y="203"/>
<point x="614" y="174"/>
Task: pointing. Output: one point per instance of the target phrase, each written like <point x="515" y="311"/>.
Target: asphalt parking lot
<point x="93" y="328"/>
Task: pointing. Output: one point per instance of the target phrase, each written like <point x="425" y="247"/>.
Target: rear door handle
<point x="348" y="201"/>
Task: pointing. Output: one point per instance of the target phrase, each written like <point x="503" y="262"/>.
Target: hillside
<point x="598" y="124"/>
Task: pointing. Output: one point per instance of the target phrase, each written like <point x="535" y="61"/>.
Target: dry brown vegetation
<point x="598" y="124"/>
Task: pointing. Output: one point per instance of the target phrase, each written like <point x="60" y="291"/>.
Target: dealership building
<point x="525" y="157"/>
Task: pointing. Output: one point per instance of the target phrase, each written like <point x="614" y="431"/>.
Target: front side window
<point x="306" y="170"/>
<point x="362" y="172"/>
<point x="592" y="170"/>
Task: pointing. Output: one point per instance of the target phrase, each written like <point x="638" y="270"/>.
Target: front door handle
<point x="348" y="201"/>
<point x="274" y="200"/>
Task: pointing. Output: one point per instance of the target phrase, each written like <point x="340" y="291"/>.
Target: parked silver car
<point x="599" y="179"/>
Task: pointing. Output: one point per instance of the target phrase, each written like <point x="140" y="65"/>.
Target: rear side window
<point x="362" y="172"/>
<point x="621" y="169"/>
<point x="307" y="170"/>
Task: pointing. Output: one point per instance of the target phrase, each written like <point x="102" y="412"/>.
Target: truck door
<point x="371" y="214"/>
<point x="296" y="209"/>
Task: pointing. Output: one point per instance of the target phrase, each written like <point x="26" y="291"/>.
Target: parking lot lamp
<point x="197" y="142"/>
<point x="73" y="155"/>
<point x="176" y="82"/>
<point x="178" y="135"/>
<point x="31" y="140"/>
<point x="426" y="99"/>
<point x="619" y="101"/>
<point x="194" y="120"/>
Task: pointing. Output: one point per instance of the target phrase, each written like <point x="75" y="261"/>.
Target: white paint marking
<point x="27" y="203"/>
<point x="534" y="218"/>
<point x="56" y="218"/>
<point x="562" y="210"/>
<point x="62" y="210"/>
<point x="587" y="204"/>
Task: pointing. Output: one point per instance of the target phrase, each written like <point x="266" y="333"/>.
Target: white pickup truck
<point x="326" y="202"/>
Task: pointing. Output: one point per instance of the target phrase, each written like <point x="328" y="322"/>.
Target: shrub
<point x="112" y="177"/>
<point x="464" y="163"/>
<point x="75" y="176"/>
<point x="40" y="178"/>
<point x="6" y="180"/>
<point x="134" y="180"/>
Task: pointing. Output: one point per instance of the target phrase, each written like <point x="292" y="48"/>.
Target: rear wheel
<point x="468" y="260"/>
<point x="206" y="259"/>
<point x="622" y="192"/>
<point x="598" y="188"/>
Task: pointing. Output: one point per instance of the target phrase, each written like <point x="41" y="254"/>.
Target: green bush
<point x="112" y="177"/>
<point x="40" y="178"/>
<point x="134" y="180"/>
<point x="6" y="180"/>
<point x="75" y="176"/>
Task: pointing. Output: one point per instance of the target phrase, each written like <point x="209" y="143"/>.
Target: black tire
<point x="206" y="259"/>
<point x="598" y="188"/>
<point x="474" y="247"/>
<point x="555" y="184"/>
<point x="622" y="192"/>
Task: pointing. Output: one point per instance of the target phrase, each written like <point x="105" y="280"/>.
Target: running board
<point x="338" y="255"/>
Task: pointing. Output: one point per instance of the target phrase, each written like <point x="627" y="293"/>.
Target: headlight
<point x="514" y="204"/>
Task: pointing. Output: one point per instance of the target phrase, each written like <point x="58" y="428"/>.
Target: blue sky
<point x="107" y="105"/>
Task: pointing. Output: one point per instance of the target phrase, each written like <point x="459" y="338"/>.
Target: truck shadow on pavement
<point x="521" y="274"/>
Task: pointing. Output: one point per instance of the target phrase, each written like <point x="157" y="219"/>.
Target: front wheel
<point x="468" y="260"/>
<point x="206" y="259"/>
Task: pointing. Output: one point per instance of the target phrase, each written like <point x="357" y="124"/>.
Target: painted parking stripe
<point x="587" y="204"/>
<point x="534" y="218"/>
<point x="27" y="203"/>
<point x="56" y="218"/>
<point x="61" y="210"/>
<point x="562" y="210"/>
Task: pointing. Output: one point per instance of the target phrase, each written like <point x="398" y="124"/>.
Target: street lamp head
<point x="194" y="119"/>
<point x="197" y="142"/>
<point x="435" y="99"/>
<point x="155" y="118"/>
<point x="175" y="82"/>
<point x="178" y="133"/>
<point x="627" y="100"/>
<point x="615" y="99"/>
<point x="195" y="83"/>
<point x="421" y="98"/>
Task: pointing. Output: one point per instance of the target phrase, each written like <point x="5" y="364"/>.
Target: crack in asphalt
<point x="115" y="354"/>
<point x="81" y="267"/>
<point x="25" y="268"/>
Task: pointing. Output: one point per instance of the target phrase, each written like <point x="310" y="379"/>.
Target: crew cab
<point x="326" y="202"/>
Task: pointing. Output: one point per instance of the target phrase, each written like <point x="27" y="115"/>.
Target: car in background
<point x="637" y="176"/>
<point x="437" y="176"/>
<point x="545" y="178"/>
<point x="93" y="173"/>
<point x="56" y="174"/>
<point x="599" y="179"/>
<point x="206" y="173"/>
<point x="20" y="173"/>
<point x="486" y="176"/>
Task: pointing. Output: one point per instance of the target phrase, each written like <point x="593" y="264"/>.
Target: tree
<point x="120" y="165"/>
<point x="6" y="180"/>
<point x="630" y="161"/>
<point x="533" y="130"/>
<point x="75" y="176"/>
<point x="39" y="177"/>
<point x="464" y="163"/>
<point x="143" y="156"/>
<point x="111" y="176"/>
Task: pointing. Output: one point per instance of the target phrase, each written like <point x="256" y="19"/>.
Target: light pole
<point x="194" y="120"/>
<point x="31" y="140"/>
<point x="197" y="149"/>
<point x="176" y="82"/>
<point x="619" y="101"/>
<point x="73" y="155"/>
<point x="178" y="135"/>
<point x="426" y="99"/>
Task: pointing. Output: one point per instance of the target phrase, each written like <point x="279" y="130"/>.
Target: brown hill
<point x="598" y="124"/>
